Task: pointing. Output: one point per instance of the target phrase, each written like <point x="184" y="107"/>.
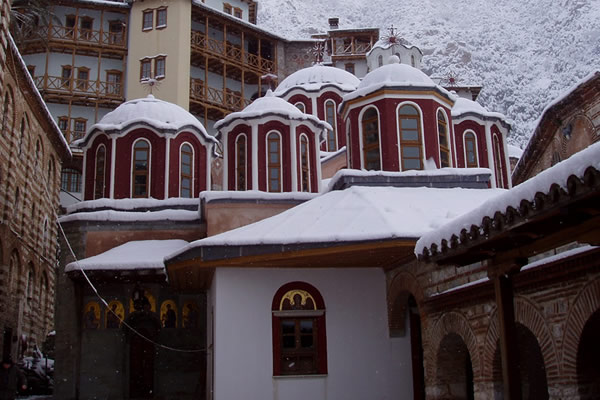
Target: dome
<point x="157" y="113"/>
<point x="315" y="77"/>
<point x="268" y="105"/>
<point x="396" y="74"/>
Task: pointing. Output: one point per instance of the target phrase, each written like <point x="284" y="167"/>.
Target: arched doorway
<point x="532" y="369"/>
<point x="588" y="354"/>
<point x="454" y="376"/>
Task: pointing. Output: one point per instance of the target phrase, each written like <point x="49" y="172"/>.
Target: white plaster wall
<point x="360" y="67"/>
<point x="363" y="362"/>
<point x="405" y="56"/>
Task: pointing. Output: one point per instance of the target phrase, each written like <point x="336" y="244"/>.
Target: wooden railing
<point x="81" y="87"/>
<point x="227" y="98"/>
<point x="83" y="36"/>
<point x="347" y="49"/>
<point x="233" y="52"/>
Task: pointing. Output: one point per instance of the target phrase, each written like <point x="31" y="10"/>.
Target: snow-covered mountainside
<point x="523" y="53"/>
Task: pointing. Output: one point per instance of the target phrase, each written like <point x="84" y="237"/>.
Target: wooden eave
<point x="551" y="220"/>
<point x="195" y="269"/>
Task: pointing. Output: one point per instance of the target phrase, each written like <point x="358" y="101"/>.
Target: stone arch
<point x="585" y="304"/>
<point x="528" y="315"/>
<point x="455" y="323"/>
<point x="400" y="289"/>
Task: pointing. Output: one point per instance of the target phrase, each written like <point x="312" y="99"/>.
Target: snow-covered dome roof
<point x="315" y="77"/>
<point x="386" y="43"/>
<point x="465" y="106"/>
<point x="396" y="73"/>
<point x="271" y="105"/>
<point x="151" y="111"/>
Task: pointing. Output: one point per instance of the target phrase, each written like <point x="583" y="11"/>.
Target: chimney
<point x="334" y="23"/>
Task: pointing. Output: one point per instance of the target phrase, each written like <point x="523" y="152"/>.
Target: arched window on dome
<point x="380" y="61"/>
<point x="100" y="172"/>
<point x="498" y="163"/>
<point x="330" y="118"/>
<point x="300" y="106"/>
<point x="413" y="61"/>
<point x="299" y="335"/>
<point x="370" y="139"/>
<point x="140" y="169"/>
<point x="411" y="148"/>
<point x="470" y="143"/>
<point x="274" y="162"/>
<point x="304" y="164"/>
<point x="241" y="163"/>
<point x="186" y="171"/>
<point x="443" y="139"/>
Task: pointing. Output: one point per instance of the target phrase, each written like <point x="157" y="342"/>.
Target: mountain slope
<point x="523" y="53"/>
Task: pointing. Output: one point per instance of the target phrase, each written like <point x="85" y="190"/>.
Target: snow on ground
<point x="524" y="53"/>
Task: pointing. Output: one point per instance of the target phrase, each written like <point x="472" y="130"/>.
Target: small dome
<point x="270" y="104"/>
<point x="315" y="77"/>
<point x="157" y="113"/>
<point x="463" y="105"/>
<point x="400" y="74"/>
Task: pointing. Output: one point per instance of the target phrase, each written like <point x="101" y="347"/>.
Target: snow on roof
<point x="157" y="113"/>
<point x="135" y="255"/>
<point x="132" y="216"/>
<point x="385" y="44"/>
<point x="465" y="106"/>
<point x="214" y="195"/>
<point x="132" y="204"/>
<point x="328" y="155"/>
<point x="271" y="105"/>
<point x="355" y="214"/>
<point x="514" y="151"/>
<point x="315" y="77"/>
<point x="394" y="74"/>
<point x="558" y="174"/>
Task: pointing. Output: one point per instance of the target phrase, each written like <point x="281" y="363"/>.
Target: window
<point x="370" y="137"/>
<point x="63" y="124"/>
<point x="349" y="67"/>
<point x="159" y="67"/>
<point x="70" y="180"/>
<point x="330" y="118"/>
<point x="79" y="127"/>
<point x="113" y="82"/>
<point x="498" y="163"/>
<point x="237" y="12"/>
<point x="471" y="150"/>
<point x="443" y="140"/>
<point x="240" y="163"/>
<point x="300" y="106"/>
<point x="412" y="61"/>
<point x="65" y="76"/>
<point x="227" y="8"/>
<point x="69" y="25"/>
<point x="83" y="75"/>
<point x="274" y="162"/>
<point x="186" y="171"/>
<point x="140" y="169"/>
<point x="410" y="138"/>
<point x="304" y="164"/>
<point x="85" y="28"/>
<point x="161" y="18"/>
<point x="380" y="61"/>
<point x="299" y="335"/>
<point x="147" y="17"/>
<point x="100" y="172"/>
<point x="115" y="32"/>
<point x="145" y="69"/>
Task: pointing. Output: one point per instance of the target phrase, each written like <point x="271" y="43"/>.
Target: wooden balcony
<point x="82" y="40"/>
<point x="79" y="91"/>
<point x="348" y="49"/>
<point x="227" y="100"/>
<point x="231" y="52"/>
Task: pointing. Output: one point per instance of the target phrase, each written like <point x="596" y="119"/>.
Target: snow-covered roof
<point x="135" y="255"/>
<point x="316" y="77"/>
<point x="132" y="216"/>
<point x="514" y="151"/>
<point x="385" y="44"/>
<point x="151" y="111"/>
<point x="133" y="204"/>
<point x="395" y="75"/>
<point x="463" y="106"/>
<point x="355" y="214"/>
<point x="271" y="105"/>
<point x="542" y="183"/>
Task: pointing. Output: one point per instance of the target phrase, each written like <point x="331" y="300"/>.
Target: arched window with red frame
<point x="299" y="335"/>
